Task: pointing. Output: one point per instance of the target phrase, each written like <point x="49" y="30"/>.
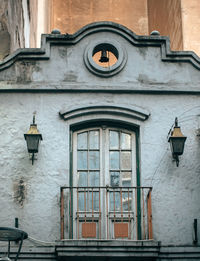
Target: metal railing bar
<point x="129" y="220"/>
<point x="136" y="217"/>
<point x="62" y="213"/>
<point x="143" y="213"/>
<point x="77" y="214"/>
<point x="106" y="187"/>
<point x="120" y="206"/>
<point x="107" y="214"/>
<point x="99" y="215"/>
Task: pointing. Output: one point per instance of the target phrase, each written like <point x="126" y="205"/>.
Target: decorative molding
<point x="105" y="109"/>
<point x="56" y="39"/>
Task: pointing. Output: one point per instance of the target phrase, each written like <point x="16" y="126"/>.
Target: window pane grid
<point x="120" y="157"/>
<point x="88" y="167"/>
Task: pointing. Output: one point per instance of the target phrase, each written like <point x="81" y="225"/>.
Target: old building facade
<point x="104" y="183"/>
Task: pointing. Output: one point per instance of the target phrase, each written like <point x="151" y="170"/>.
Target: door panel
<point x="103" y="157"/>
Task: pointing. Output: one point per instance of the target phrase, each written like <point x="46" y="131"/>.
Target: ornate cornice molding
<point x="68" y="39"/>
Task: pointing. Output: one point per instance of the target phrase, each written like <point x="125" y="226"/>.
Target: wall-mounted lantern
<point x="32" y="138"/>
<point x="177" y="142"/>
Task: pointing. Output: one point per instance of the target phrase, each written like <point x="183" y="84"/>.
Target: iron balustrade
<point x="106" y="213"/>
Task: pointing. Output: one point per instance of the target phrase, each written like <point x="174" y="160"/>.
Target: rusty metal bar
<point x="92" y="206"/>
<point x="105" y="187"/>
<point x="99" y="214"/>
<point x="62" y="214"/>
<point x="114" y="204"/>
<point x="77" y="214"/>
<point x="121" y="205"/>
<point x="136" y="213"/>
<point x="149" y="210"/>
<point x="146" y="207"/>
<point x="85" y="203"/>
<point x="143" y="214"/>
<point x="129" y="217"/>
<point x="107" y="213"/>
<point x="70" y="213"/>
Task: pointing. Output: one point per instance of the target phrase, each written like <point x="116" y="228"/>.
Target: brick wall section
<point x="165" y="16"/>
<point x="69" y="16"/>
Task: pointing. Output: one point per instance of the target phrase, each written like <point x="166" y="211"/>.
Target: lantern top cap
<point x="33" y="129"/>
<point x="176" y="133"/>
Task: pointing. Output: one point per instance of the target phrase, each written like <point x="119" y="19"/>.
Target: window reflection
<point x="115" y="179"/>
<point x="125" y="141"/>
<point x="94" y="140"/>
<point x="82" y="140"/>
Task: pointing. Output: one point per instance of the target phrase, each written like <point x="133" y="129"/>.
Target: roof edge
<point x="153" y="40"/>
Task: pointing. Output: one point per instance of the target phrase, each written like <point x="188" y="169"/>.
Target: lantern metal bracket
<point x="32" y="157"/>
<point x="176" y="158"/>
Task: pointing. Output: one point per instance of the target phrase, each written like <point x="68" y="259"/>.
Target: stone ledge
<point x="112" y="250"/>
<point x="32" y="253"/>
<point x="108" y="248"/>
<point x="44" y="87"/>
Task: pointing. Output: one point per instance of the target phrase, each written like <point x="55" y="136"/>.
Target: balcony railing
<point x="106" y="213"/>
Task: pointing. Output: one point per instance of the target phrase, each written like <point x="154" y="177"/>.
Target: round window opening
<point x="105" y="55"/>
<point x="105" y="58"/>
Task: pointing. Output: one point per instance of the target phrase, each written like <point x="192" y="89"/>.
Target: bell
<point x="103" y="58"/>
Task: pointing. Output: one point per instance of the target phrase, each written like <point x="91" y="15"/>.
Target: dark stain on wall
<point x="143" y="51"/>
<point x="70" y="77"/>
<point x="19" y="188"/>
<point x="24" y="70"/>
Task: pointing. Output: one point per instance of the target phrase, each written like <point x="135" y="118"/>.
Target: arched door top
<point x="106" y="111"/>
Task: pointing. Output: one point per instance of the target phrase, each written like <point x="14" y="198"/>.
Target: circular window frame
<point x="112" y="46"/>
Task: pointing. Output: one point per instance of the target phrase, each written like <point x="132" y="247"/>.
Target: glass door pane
<point x="120" y="168"/>
<point x="88" y="168"/>
<point x="102" y="157"/>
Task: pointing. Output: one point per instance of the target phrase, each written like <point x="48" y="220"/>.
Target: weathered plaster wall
<point x="69" y="16"/>
<point x="4" y="34"/>
<point x="191" y="25"/>
<point x="165" y="17"/>
<point x="176" y="191"/>
<point x="21" y="24"/>
<point x="31" y="193"/>
<point x="12" y="19"/>
<point x="16" y="25"/>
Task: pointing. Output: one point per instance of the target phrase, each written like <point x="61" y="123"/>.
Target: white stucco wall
<point x="176" y="191"/>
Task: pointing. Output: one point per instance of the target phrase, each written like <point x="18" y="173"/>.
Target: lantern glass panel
<point x="32" y="143"/>
<point x="177" y="145"/>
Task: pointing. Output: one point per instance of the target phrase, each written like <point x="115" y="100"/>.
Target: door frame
<point x="115" y="124"/>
